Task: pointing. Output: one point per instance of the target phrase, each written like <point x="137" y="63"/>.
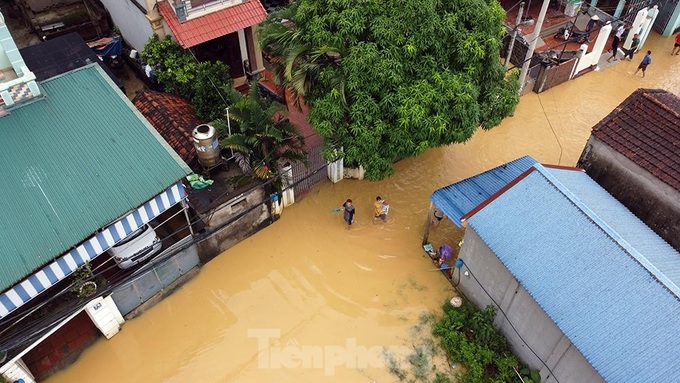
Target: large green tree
<point x="388" y="79"/>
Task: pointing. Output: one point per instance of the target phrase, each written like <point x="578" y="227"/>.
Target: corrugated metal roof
<point x="647" y="244"/>
<point x="594" y="268"/>
<point x="73" y="162"/>
<point x="460" y="198"/>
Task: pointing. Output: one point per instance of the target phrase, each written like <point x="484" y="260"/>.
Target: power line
<point x="34" y="333"/>
<point x="559" y="160"/>
<point x="510" y="323"/>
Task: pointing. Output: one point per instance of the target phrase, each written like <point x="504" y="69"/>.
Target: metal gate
<point x="665" y="13"/>
<point x="305" y="177"/>
<point x="131" y="294"/>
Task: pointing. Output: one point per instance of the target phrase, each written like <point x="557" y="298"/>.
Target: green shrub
<point x="202" y="84"/>
<point x="469" y="337"/>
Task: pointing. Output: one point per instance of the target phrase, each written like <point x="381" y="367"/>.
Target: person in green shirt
<point x="633" y="47"/>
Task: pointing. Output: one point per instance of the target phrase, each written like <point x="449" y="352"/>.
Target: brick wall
<point x="61" y="348"/>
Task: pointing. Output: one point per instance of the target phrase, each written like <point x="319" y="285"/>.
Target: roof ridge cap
<point x="650" y="96"/>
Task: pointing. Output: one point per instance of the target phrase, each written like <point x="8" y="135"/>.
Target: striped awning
<point x="63" y="266"/>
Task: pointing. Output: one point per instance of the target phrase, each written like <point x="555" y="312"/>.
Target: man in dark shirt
<point x="633" y="47"/>
<point x="348" y="208"/>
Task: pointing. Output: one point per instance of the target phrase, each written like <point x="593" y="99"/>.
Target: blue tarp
<point x="112" y="48"/>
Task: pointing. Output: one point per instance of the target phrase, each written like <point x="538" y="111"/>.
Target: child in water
<point x="381" y="209"/>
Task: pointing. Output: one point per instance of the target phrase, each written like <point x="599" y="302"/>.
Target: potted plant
<point x="82" y="285"/>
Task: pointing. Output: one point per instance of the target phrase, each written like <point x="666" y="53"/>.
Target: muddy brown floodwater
<point x="306" y="300"/>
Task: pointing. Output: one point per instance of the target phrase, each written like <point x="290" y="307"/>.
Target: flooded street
<point x="306" y="300"/>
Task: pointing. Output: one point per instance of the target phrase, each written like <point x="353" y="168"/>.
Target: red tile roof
<point x="646" y="129"/>
<point x="173" y="117"/>
<point x="213" y="25"/>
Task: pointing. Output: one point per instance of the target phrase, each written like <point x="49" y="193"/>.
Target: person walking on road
<point x="615" y="42"/>
<point x="643" y="65"/>
<point x="676" y="47"/>
<point x="633" y="47"/>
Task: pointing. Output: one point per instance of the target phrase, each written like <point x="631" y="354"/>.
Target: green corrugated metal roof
<point x="73" y="162"/>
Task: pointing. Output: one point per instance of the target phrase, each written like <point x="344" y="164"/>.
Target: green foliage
<point x="388" y="79"/>
<point x="441" y="378"/>
<point x="468" y="336"/>
<point x="262" y="133"/>
<point x="83" y="285"/>
<point x="178" y="72"/>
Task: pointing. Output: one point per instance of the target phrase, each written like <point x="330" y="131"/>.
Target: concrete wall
<point x="650" y="199"/>
<point x="233" y="221"/>
<point x="537" y="330"/>
<point x="131" y="21"/>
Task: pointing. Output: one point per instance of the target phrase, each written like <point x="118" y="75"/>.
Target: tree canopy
<point x="202" y="84"/>
<point x="388" y="79"/>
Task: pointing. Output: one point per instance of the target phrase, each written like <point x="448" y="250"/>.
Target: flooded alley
<point x="306" y="285"/>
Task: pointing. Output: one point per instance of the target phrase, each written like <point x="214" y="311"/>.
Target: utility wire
<point x="559" y="160"/>
<point x="510" y="323"/>
<point x="27" y="337"/>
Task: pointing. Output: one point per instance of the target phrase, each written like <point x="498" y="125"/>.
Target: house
<point x="84" y="171"/>
<point x="60" y="55"/>
<point x="634" y="153"/>
<point x="665" y="20"/>
<point x="212" y="29"/>
<point x="584" y="291"/>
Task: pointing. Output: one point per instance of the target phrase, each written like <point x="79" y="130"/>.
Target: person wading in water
<point x="348" y="209"/>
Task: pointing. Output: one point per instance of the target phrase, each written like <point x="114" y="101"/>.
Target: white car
<point x="136" y="247"/>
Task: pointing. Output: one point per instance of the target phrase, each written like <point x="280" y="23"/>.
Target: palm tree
<point x="265" y="137"/>
<point x="295" y="63"/>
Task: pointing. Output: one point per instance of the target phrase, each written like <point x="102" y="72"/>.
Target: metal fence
<point x="307" y="176"/>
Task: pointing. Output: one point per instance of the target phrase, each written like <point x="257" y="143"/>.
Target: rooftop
<point x="645" y="128"/>
<point x="79" y="158"/>
<point x="212" y="25"/>
<point x="607" y="280"/>
<point x="17" y="82"/>
<point x="173" y="117"/>
<point x="460" y="198"/>
<point x="60" y="55"/>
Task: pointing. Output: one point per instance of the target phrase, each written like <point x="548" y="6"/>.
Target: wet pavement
<point x="306" y="300"/>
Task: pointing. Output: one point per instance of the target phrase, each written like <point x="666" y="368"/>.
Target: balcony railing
<point x="187" y="9"/>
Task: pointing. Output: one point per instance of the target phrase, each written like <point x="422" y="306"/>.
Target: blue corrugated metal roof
<point x="607" y="280"/>
<point x="460" y="198"/>
<point x="657" y="252"/>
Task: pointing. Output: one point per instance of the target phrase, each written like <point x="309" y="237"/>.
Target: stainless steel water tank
<point x="207" y="145"/>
